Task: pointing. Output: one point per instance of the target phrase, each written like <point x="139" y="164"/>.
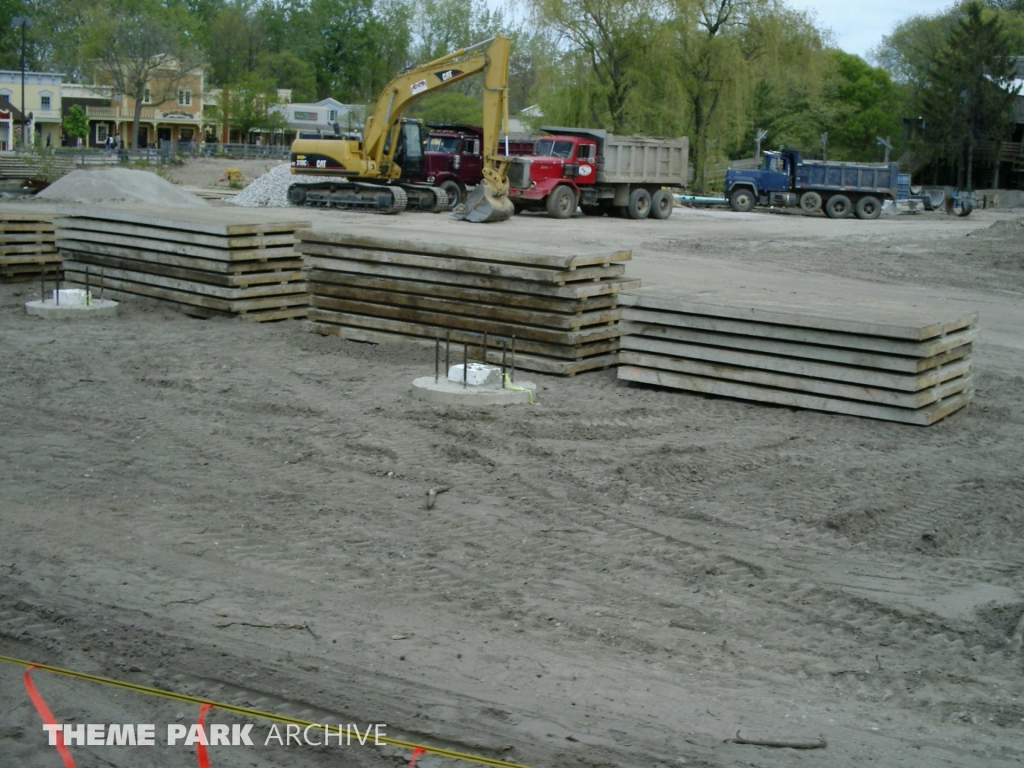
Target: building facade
<point x="42" y="107"/>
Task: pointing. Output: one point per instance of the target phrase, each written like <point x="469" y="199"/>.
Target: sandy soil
<point x="620" y="576"/>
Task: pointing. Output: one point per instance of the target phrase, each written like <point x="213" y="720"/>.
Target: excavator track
<point x="423" y="197"/>
<point x="350" y="195"/>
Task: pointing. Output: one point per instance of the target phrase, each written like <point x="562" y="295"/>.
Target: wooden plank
<point x="512" y="314"/>
<point x="492" y="269"/>
<point x="233" y="306"/>
<point x="524" y="361"/>
<point x="17" y="238"/>
<point x="11" y="250"/>
<point x="893" y="319"/>
<point x="268" y="263"/>
<point x="948" y="386"/>
<point x="478" y="323"/>
<point x="243" y="280"/>
<point x="921" y="416"/>
<point x="120" y="229"/>
<point x="32" y="258"/>
<point x="924" y="348"/>
<point x="456" y="247"/>
<point x="67" y="236"/>
<point x="949" y="348"/>
<point x="610" y="286"/>
<point x="223" y="221"/>
<point x="191" y="286"/>
<point x="10" y="227"/>
<point x="329" y="283"/>
<point x="258" y="316"/>
<point x="868" y="377"/>
<point x="470" y="336"/>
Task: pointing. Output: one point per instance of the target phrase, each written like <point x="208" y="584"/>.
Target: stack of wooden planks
<point x="560" y="306"/>
<point x="27" y="248"/>
<point x="876" y="358"/>
<point x="206" y="263"/>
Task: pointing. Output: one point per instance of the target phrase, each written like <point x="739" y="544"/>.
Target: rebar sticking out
<point x="512" y="370"/>
<point x="503" y="363"/>
<point x="437" y="358"/>
<point x="483" y="355"/>
<point x="465" y="363"/>
<point x="447" y="350"/>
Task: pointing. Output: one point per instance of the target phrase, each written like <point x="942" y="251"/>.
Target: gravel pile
<point x="271" y="189"/>
<point x="118" y="185"/>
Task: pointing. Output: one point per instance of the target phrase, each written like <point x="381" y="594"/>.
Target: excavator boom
<point x="375" y="158"/>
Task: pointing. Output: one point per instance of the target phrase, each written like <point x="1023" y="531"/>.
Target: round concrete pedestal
<point x="50" y="310"/>
<point x="451" y="393"/>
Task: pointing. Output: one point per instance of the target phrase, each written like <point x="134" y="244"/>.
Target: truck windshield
<point x="449" y="144"/>
<point x="554" y="148"/>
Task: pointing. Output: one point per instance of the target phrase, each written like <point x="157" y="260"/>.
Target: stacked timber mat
<point x="27" y="247"/>
<point x="560" y="306"/>
<point x="883" y="360"/>
<point x="204" y="262"/>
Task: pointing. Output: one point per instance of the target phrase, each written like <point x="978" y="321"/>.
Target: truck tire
<point x="661" y="204"/>
<point x="639" y="204"/>
<point x="741" y="199"/>
<point x="456" y="194"/>
<point x="868" y="208"/>
<point x="810" y="202"/>
<point x="838" y="207"/>
<point x="561" y="203"/>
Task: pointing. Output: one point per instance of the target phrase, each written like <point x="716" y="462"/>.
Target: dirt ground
<point x="619" y="576"/>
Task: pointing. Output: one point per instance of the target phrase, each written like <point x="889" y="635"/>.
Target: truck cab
<point x="453" y="159"/>
<point x="557" y="160"/>
<point x="773" y="179"/>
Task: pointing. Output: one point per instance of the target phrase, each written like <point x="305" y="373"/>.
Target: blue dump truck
<point x="839" y="189"/>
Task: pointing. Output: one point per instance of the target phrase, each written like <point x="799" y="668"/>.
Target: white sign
<point x="419" y="87"/>
<point x="585" y="170"/>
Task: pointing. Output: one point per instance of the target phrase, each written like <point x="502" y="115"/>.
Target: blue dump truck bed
<point x="847" y="177"/>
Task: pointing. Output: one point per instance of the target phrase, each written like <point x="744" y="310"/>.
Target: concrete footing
<point x="50" y="310"/>
<point x="452" y="393"/>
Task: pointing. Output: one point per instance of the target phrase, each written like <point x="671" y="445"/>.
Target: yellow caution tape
<point x="510" y="385"/>
<point x="247" y="712"/>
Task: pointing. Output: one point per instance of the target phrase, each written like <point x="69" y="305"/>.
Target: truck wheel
<point x="810" y="202"/>
<point x="639" y="204"/>
<point x="661" y="204"/>
<point x="456" y="194"/>
<point x="561" y="202"/>
<point x="297" y="195"/>
<point x="868" y="208"/>
<point x="741" y="200"/>
<point x="838" y="207"/>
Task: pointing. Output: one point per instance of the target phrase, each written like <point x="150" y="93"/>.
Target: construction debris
<point x="883" y="360"/>
<point x="203" y="262"/>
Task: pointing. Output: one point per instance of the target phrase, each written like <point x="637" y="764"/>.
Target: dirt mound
<point x="1001" y="229"/>
<point x="119" y="185"/>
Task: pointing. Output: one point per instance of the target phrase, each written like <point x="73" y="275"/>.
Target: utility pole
<point x="824" y="146"/>
<point x="887" y="143"/>
<point x="22" y="21"/>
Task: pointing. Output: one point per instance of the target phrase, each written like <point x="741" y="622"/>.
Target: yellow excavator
<point x="375" y="166"/>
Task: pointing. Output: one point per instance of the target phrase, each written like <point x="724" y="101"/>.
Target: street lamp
<point x="22" y="21"/>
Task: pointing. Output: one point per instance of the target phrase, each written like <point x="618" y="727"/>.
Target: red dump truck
<point x="601" y="173"/>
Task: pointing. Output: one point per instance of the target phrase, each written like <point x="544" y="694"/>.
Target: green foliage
<point x="76" y="124"/>
<point x="863" y="104"/>
<point x="447" y="106"/>
<point x="247" y="105"/>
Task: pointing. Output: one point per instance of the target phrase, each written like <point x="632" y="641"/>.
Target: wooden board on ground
<point x="255" y="316"/>
<point x="551" y="257"/>
<point x="710" y="386"/>
<point x="226" y="221"/>
<point x="242" y="280"/>
<point x="88" y="250"/>
<point x="227" y="249"/>
<point x="877" y="317"/>
<point x="523" y="360"/>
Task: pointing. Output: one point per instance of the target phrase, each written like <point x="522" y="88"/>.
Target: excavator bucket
<point x="485" y="205"/>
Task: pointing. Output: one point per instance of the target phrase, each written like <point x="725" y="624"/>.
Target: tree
<point x="862" y="103"/>
<point x="139" y="47"/>
<point x="968" y="93"/>
<point x="235" y="42"/>
<point x="248" y="106"/>
<point x="76" y="124"/>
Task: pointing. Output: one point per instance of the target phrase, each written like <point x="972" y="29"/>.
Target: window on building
<point x="184" y="98"/>
<point x="5" y="94"/>
<point x="146" y="96"/>
<point x="44" y="102"/>
<point x="101" y="132"/>
<point x="332" y="115"/>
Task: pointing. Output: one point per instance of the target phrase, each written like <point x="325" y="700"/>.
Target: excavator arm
<point x="490" y="201"/>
